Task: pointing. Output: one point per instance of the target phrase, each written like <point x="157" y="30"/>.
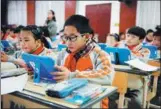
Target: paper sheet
<point x="141" y="65"/>
<point x="12" y="84"/>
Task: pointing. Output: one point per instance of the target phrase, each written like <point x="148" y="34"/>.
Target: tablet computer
<point x="42" y="66"/>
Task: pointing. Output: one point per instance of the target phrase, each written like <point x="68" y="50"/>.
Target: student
<point x="112" y="40"/>
<point x="51" y="23"/>
<point x="122" y="36"/>
<point x="82" y="58"/>
<point x="17" y="35"/>
<point x="31" y="41"/>
<point x="133" y="40"/>
<point x="156" y="42"/>
<point x="156" y="39"/>
<point x="149" y="36"/>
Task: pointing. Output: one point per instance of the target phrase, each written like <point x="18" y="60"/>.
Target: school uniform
<point x="90" y="62"/>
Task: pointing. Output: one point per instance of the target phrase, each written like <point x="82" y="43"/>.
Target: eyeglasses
<point x="71" y="38"/>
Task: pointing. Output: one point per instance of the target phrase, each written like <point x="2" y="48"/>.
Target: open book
<point x="136" y="63"/>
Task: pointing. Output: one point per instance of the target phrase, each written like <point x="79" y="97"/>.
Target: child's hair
<point x="45" y="31"/>
<point x="18" y="29"/>
<point x="158" y="31"/>
<point x="116" y="36"/>
<point x="149" y="31"/>
<point x="138" y="31"/>
<point x="37" y="34"/>
<point x="80" y="22"/>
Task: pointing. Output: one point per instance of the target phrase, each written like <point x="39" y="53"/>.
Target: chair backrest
<point x="124" y="54"/>
<point x="153" y="50"/>
<point x="112" y="52"/>
<point x="61" y="47"/>
<point x="102" y="45"/>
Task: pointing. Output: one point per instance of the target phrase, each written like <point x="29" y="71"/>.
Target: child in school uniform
<point x="133" y="42"/>
<point x="83" y="58"/>
<point x="156" y="39"/>
<point x="31" y="41"/>
<point x="112" y="40"/>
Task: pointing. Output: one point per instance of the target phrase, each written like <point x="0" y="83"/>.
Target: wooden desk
<point x="33" y="97"/>
<point x="143" y="74"/>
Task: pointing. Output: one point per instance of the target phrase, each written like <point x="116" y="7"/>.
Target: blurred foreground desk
<point x="33" y="97"/>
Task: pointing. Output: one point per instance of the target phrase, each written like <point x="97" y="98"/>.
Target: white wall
<point x="42" y="8"/>
<point x="148" y="14"/>
<point x="115" y="12"/>
<point x="17" y="12"/>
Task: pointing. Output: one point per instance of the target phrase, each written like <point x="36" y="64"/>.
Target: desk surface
<point x="37" y="94"/>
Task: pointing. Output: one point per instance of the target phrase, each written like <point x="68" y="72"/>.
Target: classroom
<point x="80" y="54"/>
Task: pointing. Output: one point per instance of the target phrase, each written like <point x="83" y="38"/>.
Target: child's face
<point x="150" y="36"/>
<point x="77" y="42"/>
<point x="132" y="39"/>
<point x="111" y="41"/>
<point x="156" y="41"/>
<point x="27" y="42"/>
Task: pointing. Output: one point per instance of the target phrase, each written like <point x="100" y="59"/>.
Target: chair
<point x="102" y="45"/>
<point x="122" y="86"/>
<point x="152" y="94"/>
<point x="112" y="52"/>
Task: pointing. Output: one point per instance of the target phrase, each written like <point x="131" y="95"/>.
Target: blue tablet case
<point x="66" y="87"/>
<point x="42" y="66"/>
<point x="153" y="50"/>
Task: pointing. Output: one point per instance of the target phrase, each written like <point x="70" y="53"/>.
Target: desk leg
<point x="145" y="91"/>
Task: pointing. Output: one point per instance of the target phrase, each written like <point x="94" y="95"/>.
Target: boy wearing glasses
<point x="82" y="58"/>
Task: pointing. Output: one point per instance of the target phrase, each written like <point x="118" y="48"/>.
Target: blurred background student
<point x="149" y="36"/>
<point x="112" y="40"/>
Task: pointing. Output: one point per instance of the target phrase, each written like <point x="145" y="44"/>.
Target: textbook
<point x="136" y="63"/>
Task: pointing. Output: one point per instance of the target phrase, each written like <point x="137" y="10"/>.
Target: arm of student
<point x="52" y="28"/>
<point x="102" y="73"/>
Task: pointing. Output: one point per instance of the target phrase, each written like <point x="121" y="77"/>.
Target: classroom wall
<point x="115" y="10"/>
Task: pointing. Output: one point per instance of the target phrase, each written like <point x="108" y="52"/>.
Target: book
<point x="136" y="63"/>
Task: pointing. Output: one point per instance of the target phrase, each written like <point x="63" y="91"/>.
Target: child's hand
<point x="4" y="57"/>
<point x="22" y="63"/>
<point x="62" y="74"/>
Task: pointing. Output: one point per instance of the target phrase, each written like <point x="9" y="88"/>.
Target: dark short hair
<point x="149" y="31"/>
<point x="80" y="22"/>
<point x="18" y="29"/>
<point x="158" y="31"/>
<point x="138" y="31"/>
